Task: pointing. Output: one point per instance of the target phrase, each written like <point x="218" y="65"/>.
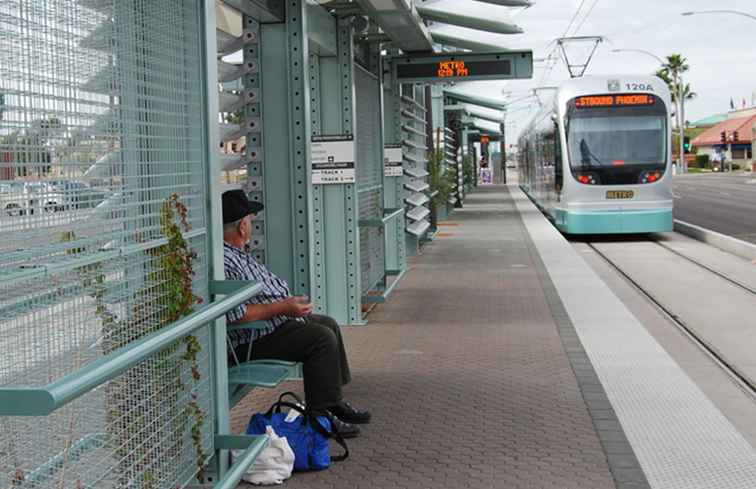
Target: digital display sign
<point x="622" y="100"/>
<point x="463" y="67"/>
<point x="452" y="68"/>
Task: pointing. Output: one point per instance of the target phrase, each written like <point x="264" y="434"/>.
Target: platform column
<point x="336" y="242"/>
<point x="394" y="192"/>
<point x="285" y="112"/>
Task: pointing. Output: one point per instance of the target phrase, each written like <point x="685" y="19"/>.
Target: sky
<point x="720" y="48"/>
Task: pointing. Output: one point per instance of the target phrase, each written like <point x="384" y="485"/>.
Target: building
<point x="733" y="136"/>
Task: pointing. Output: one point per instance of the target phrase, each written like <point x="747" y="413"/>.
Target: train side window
<point x="558" y="174"/>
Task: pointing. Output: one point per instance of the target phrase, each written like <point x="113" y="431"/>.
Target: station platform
<point x="503" y="361"/>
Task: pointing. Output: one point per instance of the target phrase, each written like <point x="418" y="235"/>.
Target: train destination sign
<point x="622" y="100"/>
<point x="463" y="67"/>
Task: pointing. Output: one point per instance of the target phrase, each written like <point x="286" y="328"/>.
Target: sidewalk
<point x="465" y="373"/>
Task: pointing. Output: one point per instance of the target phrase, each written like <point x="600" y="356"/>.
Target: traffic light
<point x="735" y="136"/>
<point x="723" y="137"/>
<point x="686" y="144"/>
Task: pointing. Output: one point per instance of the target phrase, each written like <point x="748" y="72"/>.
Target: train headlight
<point x="649" y="177"/>
<point x="587" y="179"/>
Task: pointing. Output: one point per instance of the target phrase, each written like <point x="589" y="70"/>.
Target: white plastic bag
<point x="274" y="464"/>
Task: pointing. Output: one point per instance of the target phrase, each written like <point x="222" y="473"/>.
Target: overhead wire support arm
<point x="578" y="70"/>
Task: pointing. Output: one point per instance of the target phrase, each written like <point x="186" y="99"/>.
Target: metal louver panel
<point x="369" y="167"/>
<point x="414" y="148"/>
<point x="417" y="186"/>
<point x="418" y="228"/>
<point x="416" y="173"/>
<point x="417" y="199"/>
<point x="102" y="124"/>
<point x="418" y="213"/>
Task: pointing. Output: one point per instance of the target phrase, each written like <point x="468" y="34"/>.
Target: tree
<point x="688" y="94"/>
<point x="671" y="72"/>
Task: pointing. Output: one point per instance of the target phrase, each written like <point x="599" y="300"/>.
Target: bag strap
<point x="276" y="408"/>
<point x="291" y="394"/>
<point x="312" y="418"/>
<point x="332" y="435"/>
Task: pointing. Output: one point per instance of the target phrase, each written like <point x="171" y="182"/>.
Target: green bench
<point x="247" y="374"/>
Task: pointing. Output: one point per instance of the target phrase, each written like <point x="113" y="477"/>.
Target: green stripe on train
<point x="614" y="222"/>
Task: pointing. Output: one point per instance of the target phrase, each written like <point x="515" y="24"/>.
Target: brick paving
<point x="465" y="373"/>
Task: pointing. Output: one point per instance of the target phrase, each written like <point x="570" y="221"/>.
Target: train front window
<point x="617" y="145"/>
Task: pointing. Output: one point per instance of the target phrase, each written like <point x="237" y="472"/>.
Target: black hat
<point x="236" y="205"/>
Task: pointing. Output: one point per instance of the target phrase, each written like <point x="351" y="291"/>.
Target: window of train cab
<point x="617" y="139"/>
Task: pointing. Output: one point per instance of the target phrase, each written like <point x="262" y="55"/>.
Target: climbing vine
<point x="168" y="280"/>
<point x="176" y="260"/>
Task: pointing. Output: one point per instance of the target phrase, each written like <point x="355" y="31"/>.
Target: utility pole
<point x="681" y="116"/>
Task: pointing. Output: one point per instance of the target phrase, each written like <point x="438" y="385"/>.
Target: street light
<point x="680" y="102"/>
<point x="736" y="12"/>
<point x="639" y="51"/>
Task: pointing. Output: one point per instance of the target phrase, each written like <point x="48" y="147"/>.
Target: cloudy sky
<point x="720" y="48"/>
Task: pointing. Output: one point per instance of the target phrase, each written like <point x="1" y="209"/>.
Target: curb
<point x="726" y="243"/>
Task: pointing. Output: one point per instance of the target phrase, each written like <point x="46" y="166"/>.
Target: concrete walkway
<point x="466" y="374"/>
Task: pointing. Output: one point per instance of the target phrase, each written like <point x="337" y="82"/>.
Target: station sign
<point x="442" y="68"/>
<point x="333" y="159"/>
<point x="392" y="161"/>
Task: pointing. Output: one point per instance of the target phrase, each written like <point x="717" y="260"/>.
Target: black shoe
<point x="345" y="412"/>
<point x="346" y="430"/>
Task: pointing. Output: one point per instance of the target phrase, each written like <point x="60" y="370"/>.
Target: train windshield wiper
<point x="586" y="154"/>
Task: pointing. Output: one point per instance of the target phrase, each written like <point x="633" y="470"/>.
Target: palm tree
<point x="688" y="94"/>
<point x="671" y="72"/>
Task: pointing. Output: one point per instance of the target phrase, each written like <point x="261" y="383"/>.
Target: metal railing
<point x="42" y="401"/>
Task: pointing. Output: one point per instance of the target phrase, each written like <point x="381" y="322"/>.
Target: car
<point x="42" y="196"/>
<point x="77" y="194"/>
<point x="19" y="198"/>
<point x="13" y="198"/>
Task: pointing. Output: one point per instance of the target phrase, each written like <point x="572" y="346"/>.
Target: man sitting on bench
<point x="293" y="333"/>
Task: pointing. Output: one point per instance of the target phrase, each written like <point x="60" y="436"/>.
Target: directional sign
<point x="443" y="68"/>
<point x="333" y="159"/>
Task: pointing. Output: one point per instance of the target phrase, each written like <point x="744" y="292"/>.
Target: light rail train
<point x="597" y="158"/>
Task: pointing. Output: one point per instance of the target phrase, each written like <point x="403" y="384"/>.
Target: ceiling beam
<point x="401" y="22"/>
<point x="464" y="43"/>
<point x="474" y="100"/>
<point x="509" y="3"/>
<point x="478" y="23"/>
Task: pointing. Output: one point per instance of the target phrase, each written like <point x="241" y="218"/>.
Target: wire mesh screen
<point x="369" y="176"/>
<point x="102" y="217"/>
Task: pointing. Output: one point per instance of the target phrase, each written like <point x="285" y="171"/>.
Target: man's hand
<point x="297" y="306"/>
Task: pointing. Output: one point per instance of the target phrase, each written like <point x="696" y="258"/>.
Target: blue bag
<point x="307" y="434"/>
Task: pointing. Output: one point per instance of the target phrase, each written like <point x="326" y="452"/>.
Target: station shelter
<point x="133" y="117"/>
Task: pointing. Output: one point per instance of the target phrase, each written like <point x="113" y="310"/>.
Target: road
<point x="725" y="203"/>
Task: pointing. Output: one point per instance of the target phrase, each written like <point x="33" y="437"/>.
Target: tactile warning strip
<point x="680" y="438"/>
<point x="623" y="463"/>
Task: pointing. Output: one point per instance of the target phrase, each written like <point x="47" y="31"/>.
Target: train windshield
<point x="617" y="144"/>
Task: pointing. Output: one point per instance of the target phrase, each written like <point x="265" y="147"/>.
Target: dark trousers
<point x="317" y="343"/>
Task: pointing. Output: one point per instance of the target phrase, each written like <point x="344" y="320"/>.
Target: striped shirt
<point x="240" y="265"/>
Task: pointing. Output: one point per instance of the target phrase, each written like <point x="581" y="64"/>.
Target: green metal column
<point x="394" y="192"/>
<point x="219" y="368"/>
<point x="253" y="153"/>
<point x="286" y="118"/>
<point x="335" y="205"/>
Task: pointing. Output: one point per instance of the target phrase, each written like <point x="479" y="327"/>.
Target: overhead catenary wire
<point x="588" y="14"/>
<point x="550" y="67"/>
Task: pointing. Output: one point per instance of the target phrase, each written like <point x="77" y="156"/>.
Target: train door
<point x="558" y="163"/>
